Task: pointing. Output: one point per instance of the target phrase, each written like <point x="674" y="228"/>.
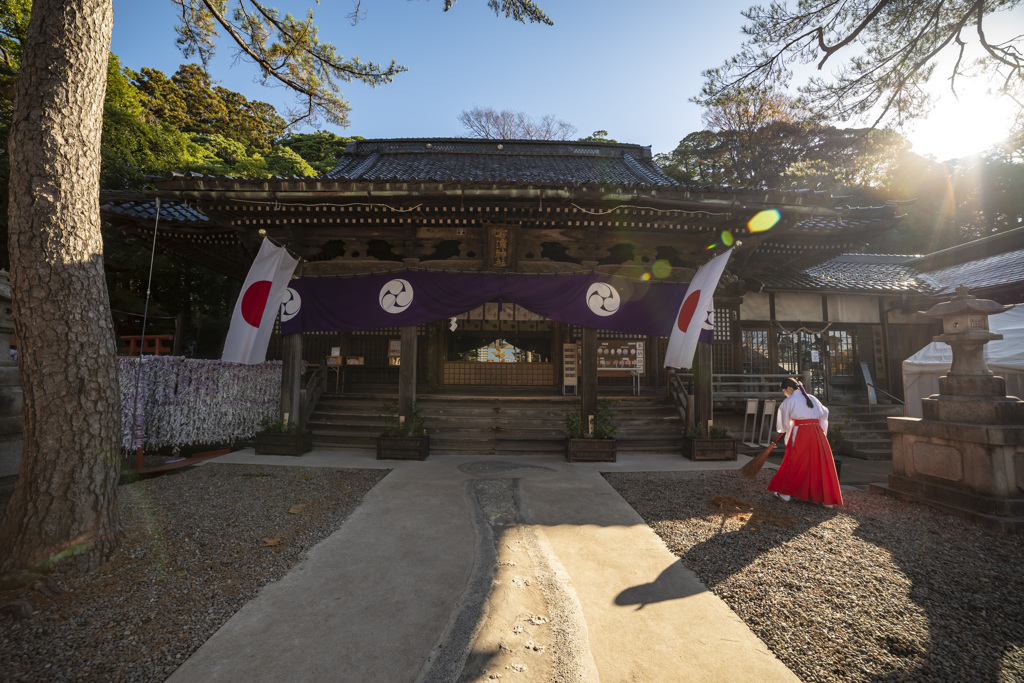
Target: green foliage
<point x="189" y="102"/>
<point x="284" y="162"/>
<point x="278" y="426"/>
<point x="287" y="50"/>
<point x="604" y="421"/>
<point x="698" y="431"/>
<point x="598" y="136"/>
<point x="321" y="150"/>
<point x="132" y="146"/>
<point x="837" y="432"/>
<point x="14" y="16"/>
<point x="394" y="425"/>
<point x="786" y="155"/>
<point x="521" y="10"/>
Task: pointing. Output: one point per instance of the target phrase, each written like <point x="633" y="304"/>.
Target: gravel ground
<point x="198" y="544"/>
<point x="879" y="589"/>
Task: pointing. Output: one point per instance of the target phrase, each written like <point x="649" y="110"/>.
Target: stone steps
<point x="866" y="431"/>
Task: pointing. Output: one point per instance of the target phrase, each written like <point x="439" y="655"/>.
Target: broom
<point x="750" y="470"/>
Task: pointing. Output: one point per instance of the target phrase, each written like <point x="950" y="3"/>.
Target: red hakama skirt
<point x="808" y="471"/>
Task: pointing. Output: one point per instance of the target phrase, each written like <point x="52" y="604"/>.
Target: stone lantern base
<point x="973" y="470"/>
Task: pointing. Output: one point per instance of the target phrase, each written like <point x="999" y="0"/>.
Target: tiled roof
<point x="500" y="161"/>
<point x="170" y="210"/>
<point x="870" y="273"/>
<point x="992" y="271"/>
<point x="855" y="217"/>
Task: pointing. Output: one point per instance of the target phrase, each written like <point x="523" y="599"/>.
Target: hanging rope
<point x="142" y="341"/>
<point x="804" y="329"/>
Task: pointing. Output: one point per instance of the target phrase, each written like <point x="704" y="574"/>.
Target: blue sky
<point x="625" y="67"/>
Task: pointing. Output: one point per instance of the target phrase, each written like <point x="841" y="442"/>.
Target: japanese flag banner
<point x="257" y="305"/>
<point x="694" y="313"/>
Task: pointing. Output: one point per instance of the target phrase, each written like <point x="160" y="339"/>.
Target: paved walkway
<point x="462" y="568"/>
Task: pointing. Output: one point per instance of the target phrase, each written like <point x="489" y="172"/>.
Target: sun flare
<point x="961" y="127"/>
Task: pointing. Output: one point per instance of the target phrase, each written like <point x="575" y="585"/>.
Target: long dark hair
<point x="792" y="383"/>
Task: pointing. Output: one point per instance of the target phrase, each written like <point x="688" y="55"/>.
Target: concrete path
<point x="474" y="569"/>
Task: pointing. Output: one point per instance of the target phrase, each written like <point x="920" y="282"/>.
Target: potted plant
<point x="404" y="437"/>
<point x="709" y="443"/>
<point x="592" y="440"/>
<point x="281" y="437"/>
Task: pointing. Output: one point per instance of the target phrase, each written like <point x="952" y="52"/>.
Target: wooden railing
<point x="152" y="344"/>
<point x="680" y="390"/>
<point x="309" y="394"/>
<point x="739" y="387"/>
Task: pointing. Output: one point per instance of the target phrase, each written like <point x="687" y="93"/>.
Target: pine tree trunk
<point x="64" y="504"/>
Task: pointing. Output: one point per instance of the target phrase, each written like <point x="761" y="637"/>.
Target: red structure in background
<point x="155" y="344"/>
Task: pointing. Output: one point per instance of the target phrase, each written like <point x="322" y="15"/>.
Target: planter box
<point x="275" y="443"/>
<point x="709" y="449"/>
<point x="403" y="447"/>
<point x="590" y="450"/>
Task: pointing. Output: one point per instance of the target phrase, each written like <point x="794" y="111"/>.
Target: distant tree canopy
<point x="786" y="155"/>
<point x="598" y="136"/>
<point x="891" y="48"/>
<point x="321" y="150"/>
<point x="189" y="102"/>
<point x="490" y="124"/>
<point x="755" y="139"/>
<point x="154" y="124"/>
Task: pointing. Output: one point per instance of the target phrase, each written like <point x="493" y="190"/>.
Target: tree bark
<point x="64" y="504"/>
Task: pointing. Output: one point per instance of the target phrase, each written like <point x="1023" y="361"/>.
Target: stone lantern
<point x="965" y="453"/>
<point x="965" y="329"/>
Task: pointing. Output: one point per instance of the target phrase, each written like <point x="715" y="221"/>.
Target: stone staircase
<point x="866" y="435"/>
<point x="493" y="426"/>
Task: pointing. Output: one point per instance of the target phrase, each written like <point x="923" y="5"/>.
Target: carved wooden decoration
<point x="501" y="248"/>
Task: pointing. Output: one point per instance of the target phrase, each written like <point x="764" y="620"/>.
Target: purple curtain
<point x="410" y="298"/>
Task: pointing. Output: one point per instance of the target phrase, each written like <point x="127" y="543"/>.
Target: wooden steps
<point x="488" y="425"/>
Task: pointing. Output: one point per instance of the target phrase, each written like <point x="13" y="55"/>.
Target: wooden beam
<point x="407" y="371"/>
<point x="587" y="372"/>
<point x="291" y="377"/>
<point x="702" y="398"/>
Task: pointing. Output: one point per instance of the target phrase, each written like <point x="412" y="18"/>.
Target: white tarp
<point x="1005" y="357"/>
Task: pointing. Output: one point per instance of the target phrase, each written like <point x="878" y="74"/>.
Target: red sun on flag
<point x="687" y="310"/>
<point x="254" y="301"/>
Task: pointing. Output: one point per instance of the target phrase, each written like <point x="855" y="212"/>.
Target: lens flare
<point x="661" y="269"/>
<point x="727" y="238"/>
<point x="645" y="276"/>
<point x="764" y="220"/>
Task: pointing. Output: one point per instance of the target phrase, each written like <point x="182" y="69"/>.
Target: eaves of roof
<point x="854" y="273"/>
<point x="996" y="270"/>
<point x="1003" y="242"/>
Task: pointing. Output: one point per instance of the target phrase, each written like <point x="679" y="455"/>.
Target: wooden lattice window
<point x="842" y="351"/>
<point x="756" y="359"/>
<point x="722" y="349"/>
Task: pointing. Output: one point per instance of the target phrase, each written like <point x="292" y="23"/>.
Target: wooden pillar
<point x="439" y="352"/>
<point x="587" y="372"/>
<point x="291" y="376"/>
<point x="654" y="371"/>
<point x="407" y="371"/>
<point x="179" y="332"/>
<point x="557" y="339"/>
<point x="702" y="398"/>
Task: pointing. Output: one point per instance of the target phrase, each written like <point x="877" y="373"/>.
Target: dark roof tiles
<point x="878" y="273"/>
<point x="500" y="161"/>
<point x="995" y="270"/>
<point x="170" y="210"/>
